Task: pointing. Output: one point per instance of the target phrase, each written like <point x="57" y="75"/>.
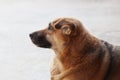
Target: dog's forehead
<point x="60" y="22"/>
<point x="71" y="22"/>
<point x="55" y="23"/>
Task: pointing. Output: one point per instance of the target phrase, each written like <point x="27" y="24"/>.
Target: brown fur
<point x="79" y="55"/>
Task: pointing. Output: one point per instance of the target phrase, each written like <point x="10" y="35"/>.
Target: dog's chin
<point x="44" y="44"/>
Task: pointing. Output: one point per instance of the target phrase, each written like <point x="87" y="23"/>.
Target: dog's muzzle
<point x="38" y="38"/>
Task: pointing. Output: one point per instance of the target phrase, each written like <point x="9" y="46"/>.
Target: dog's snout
<point x="39" y="39"/>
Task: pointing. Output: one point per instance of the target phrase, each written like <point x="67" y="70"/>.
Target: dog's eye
<point x="50" y="28"/>
<point x="57" y="26"/>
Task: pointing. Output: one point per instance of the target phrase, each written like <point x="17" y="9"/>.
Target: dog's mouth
<point x="40" y="40"/>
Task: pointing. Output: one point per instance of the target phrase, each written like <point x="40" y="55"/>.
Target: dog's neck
<point x="72" y="51"/>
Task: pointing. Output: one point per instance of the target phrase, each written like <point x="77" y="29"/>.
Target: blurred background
<point x="22" y="60"/>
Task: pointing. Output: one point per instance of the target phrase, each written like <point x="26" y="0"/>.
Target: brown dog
<point x="79" y="55"/>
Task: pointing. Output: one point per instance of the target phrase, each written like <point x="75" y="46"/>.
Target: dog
<point x="78" y="54"/>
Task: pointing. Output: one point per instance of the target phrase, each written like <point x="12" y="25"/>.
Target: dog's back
<point x="114" y="68"/>
<point x="113" y="72"/>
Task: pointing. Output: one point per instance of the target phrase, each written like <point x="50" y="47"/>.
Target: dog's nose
<point x="33" y="34"/>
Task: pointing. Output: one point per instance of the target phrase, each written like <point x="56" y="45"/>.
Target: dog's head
<point x="58" y="34"/>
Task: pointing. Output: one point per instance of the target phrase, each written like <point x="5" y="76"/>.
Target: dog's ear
<point x="66" y="29"/>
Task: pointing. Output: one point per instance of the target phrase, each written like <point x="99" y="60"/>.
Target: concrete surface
<point x="20" y="59"/>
